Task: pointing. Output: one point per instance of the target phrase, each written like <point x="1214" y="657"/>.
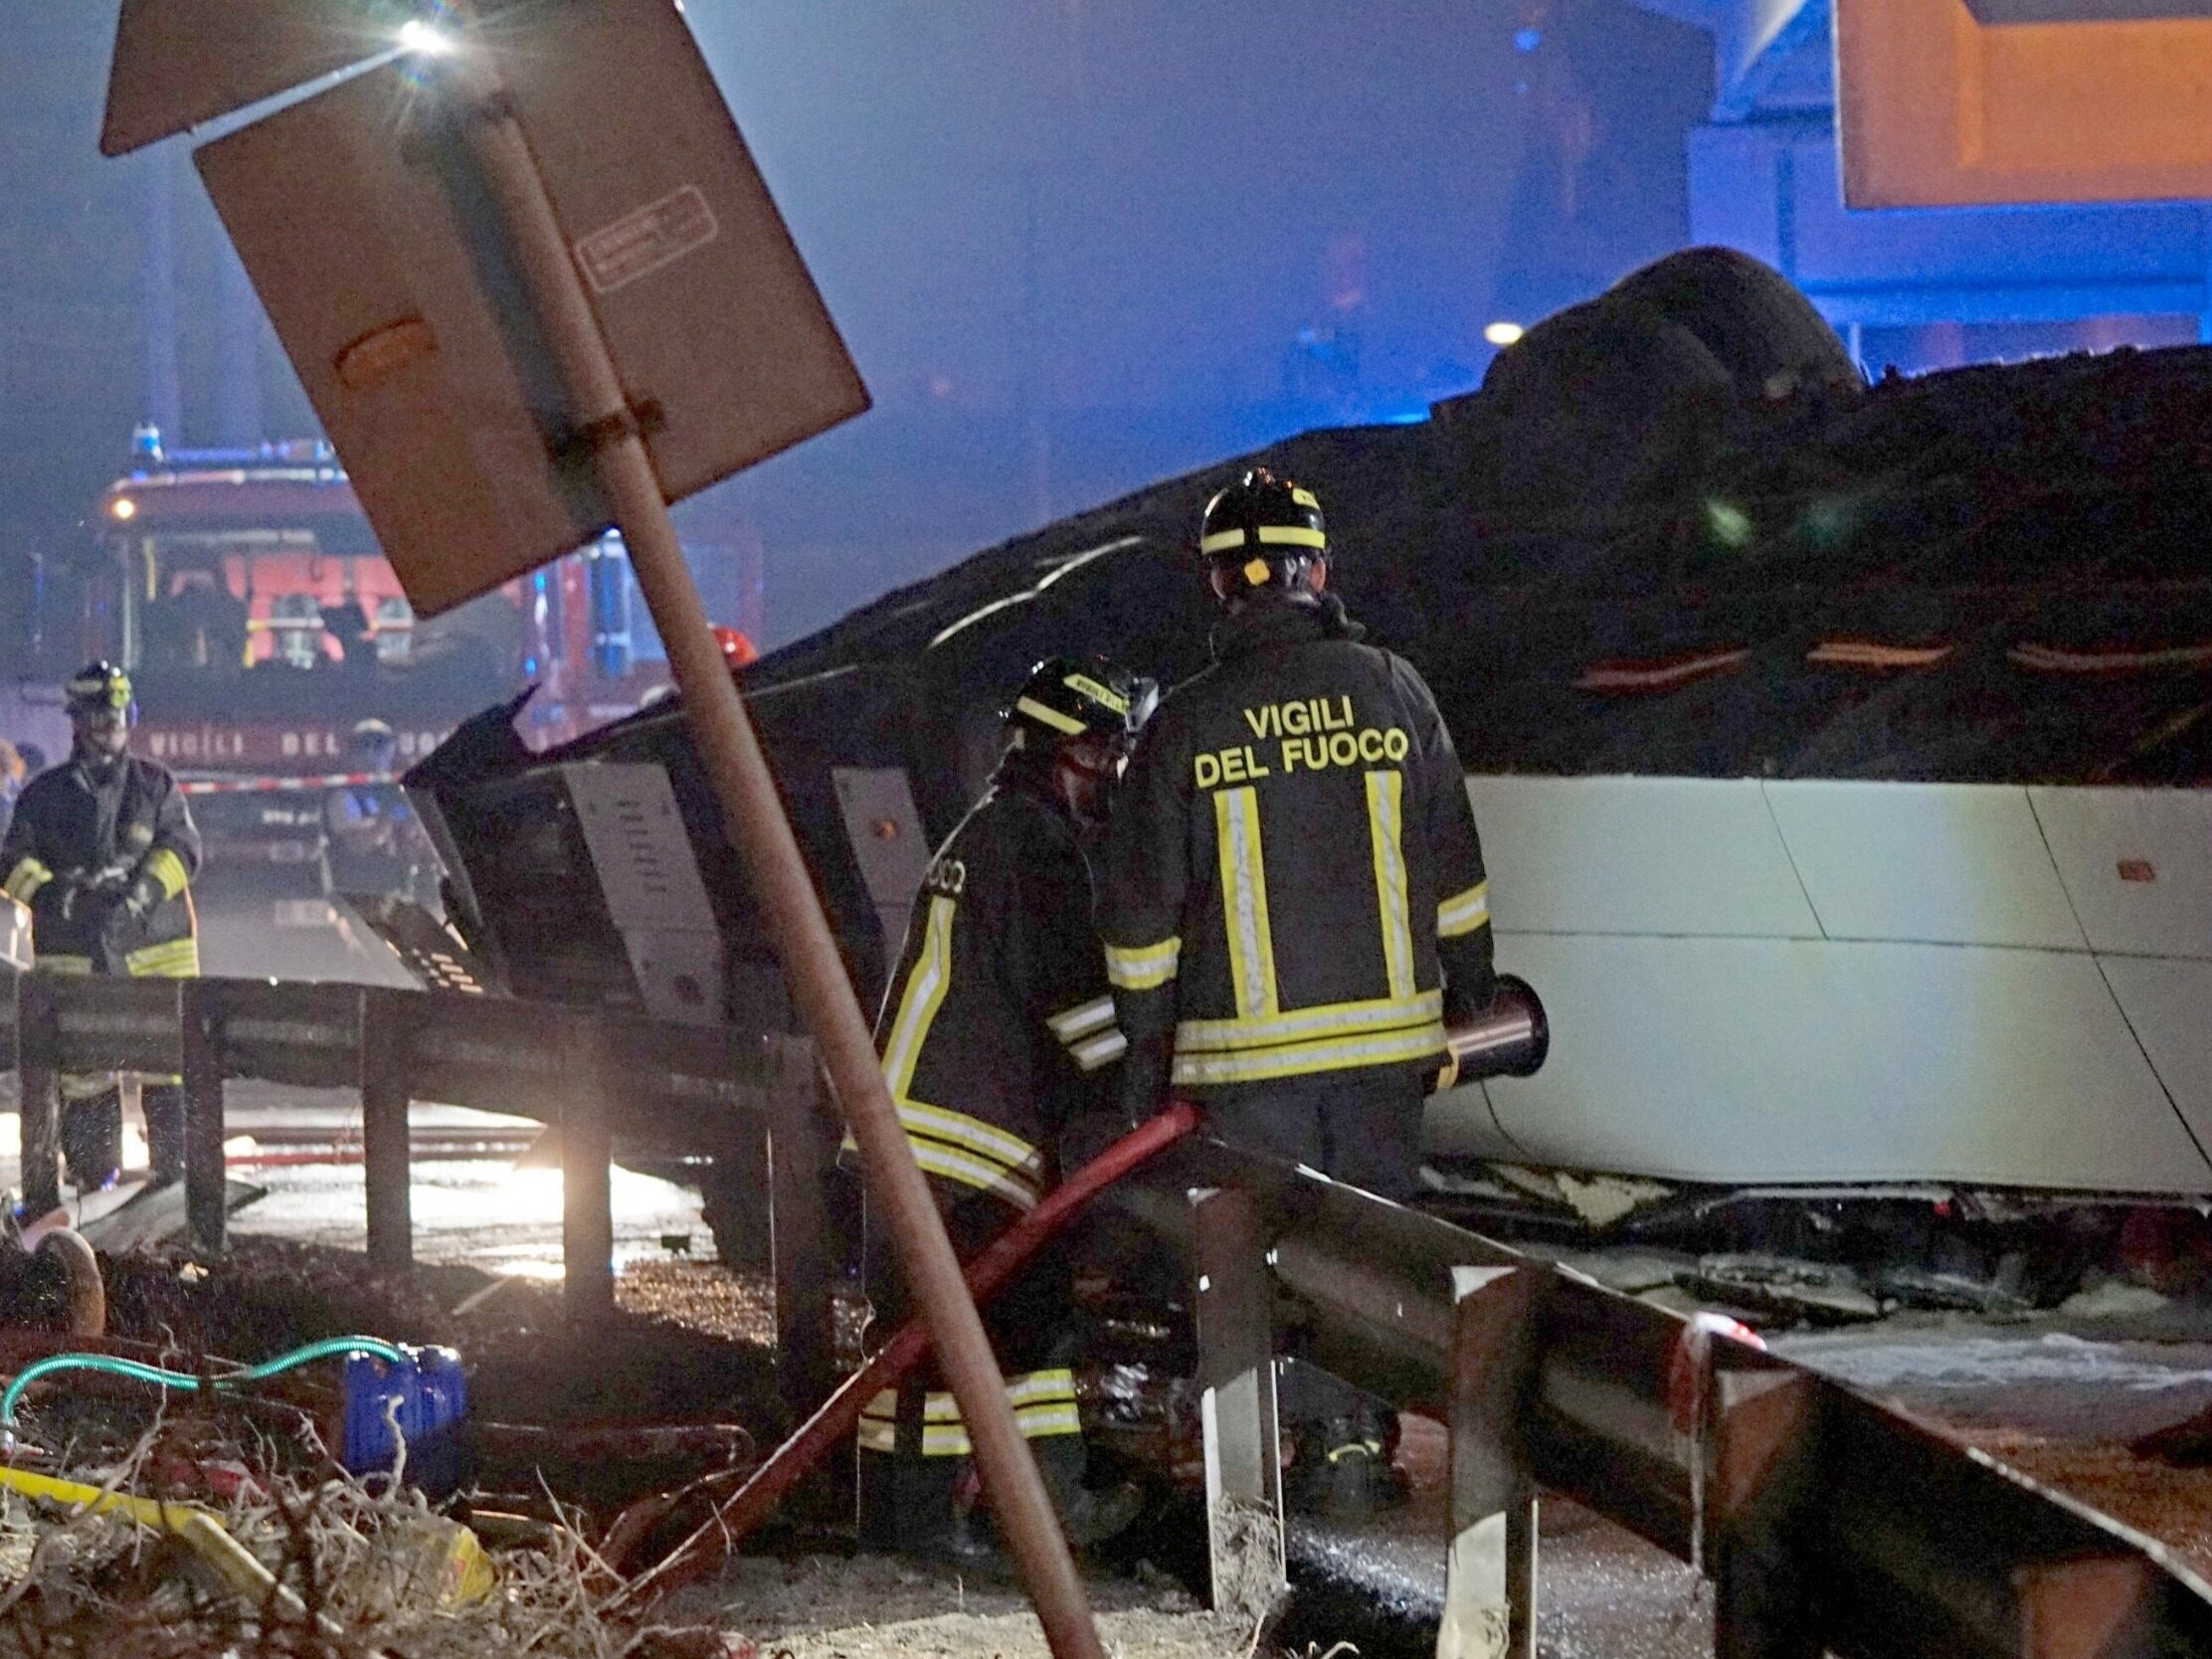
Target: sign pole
<point x="732" y="759"/>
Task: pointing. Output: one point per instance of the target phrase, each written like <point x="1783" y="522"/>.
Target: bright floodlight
<point x="1503" y="333"/>
<point x="123" y="507"/>
<point x="427" y="39"/>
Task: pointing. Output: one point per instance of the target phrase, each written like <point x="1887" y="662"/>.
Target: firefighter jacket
<point x="80" y="837"/>
<point x="999" y="1023"/>
<point x="1292" y="882"/>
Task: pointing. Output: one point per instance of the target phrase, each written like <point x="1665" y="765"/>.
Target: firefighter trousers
<point x="915" y="1470"/>
<point x="1366" y="1132"/>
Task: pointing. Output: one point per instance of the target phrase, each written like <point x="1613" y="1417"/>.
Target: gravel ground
<point x="816" y="1607"/>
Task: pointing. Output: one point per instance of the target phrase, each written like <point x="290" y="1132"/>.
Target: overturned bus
<point x="1840" y="752"/>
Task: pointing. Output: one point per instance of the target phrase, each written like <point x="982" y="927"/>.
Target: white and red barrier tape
<point x="270" y="783"/>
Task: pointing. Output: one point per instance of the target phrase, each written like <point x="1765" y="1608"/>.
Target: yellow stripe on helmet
<point x="1049" y="716"/>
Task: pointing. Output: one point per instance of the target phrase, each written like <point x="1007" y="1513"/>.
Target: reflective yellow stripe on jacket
<point x="1244" y="901"/>
<point x="947" y="1143"/>
<point x="1263" y="1042"/>
<point x="1407" y="1045"/>
<point x="1385" y="831"/>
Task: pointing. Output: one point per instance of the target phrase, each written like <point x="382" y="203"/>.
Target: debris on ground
<point x="349" y="1571"/>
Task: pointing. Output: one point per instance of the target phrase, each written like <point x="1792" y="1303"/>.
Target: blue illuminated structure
<point x="1920" y="288"/>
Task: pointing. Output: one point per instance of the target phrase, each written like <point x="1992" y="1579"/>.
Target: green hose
<point x="328" y="1348"/>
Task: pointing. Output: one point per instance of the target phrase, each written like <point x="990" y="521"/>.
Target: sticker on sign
<point x="638" y="243"/>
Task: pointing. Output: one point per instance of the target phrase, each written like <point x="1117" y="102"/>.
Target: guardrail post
<point x="587" y="1193"/>
<point x="806" y="1341"/>
<point x="39" y="1085"/>
<point x="387" y="1152"/>
<point x="206" y="1200"/>
<point x="1236" y="1319"/>
<point x="1490" y="1571"/>
<point x="1765" y="1471"/>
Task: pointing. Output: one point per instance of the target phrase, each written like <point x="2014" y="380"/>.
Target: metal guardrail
<point x="593" y="1076"/>
<point x="1827" y="1522"/>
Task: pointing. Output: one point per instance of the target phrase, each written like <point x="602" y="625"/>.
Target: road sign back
<point x="375" y="248"/>
<point x="179" y="63"/>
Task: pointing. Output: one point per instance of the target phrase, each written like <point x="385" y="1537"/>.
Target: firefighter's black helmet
<point x="101" y="687"/>
<point x="1067" y="698"/>
<point x="1267" y="530"/>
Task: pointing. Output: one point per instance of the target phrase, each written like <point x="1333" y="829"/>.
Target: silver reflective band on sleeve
<point x="1463" y="912"/>
<point x="1103" y="1050"/>
<point x="1082" y="1019"/>
<point x="1143" y="967"/>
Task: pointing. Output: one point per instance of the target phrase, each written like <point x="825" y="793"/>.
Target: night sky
<point x="1074" y="245"/>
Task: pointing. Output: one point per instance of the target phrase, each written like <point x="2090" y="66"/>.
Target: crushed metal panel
<point x="1745" y="1061"/>
<point x="1637" y="855"/>
<point x="2136" y="863"/>
<point x="1937" y="864"/>
<point x="1934" y="109"/>
<point x="650" y="877"/>
<point x="402" y="314"/>
<point x="2168" y="1006"/>
<point x="638" y="844"/>
<point x="181" y="63"/>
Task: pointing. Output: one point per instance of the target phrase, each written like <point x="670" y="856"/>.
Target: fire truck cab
<point x="246" y="592"/>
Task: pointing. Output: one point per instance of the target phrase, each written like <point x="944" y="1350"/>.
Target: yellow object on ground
<point x="445" y="1561"/>
<point x="200" y="1530"/>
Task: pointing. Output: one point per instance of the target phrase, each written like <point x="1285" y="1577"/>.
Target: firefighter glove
<point x="142" y="897"/>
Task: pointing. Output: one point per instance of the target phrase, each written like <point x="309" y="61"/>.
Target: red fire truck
<point x="248" y="597"/>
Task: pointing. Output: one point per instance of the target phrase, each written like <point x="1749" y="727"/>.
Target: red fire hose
<point x="713" y="1542"/>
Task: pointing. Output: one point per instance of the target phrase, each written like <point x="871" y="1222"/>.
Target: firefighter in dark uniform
<point x="997" y="1027"/>
<point x="1293" y="905"/>
<point x="103" y="850"/>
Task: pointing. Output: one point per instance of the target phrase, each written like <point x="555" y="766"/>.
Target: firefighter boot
<point x="1343" y="1468"/>
<point x="1089" y="1515"/>
<point x="907" y="1506"/>
<point x="92" y="1139"/>
<point x="163" y="1104"/>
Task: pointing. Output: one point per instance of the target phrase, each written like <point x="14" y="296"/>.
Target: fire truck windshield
<point x="246" y="593"/>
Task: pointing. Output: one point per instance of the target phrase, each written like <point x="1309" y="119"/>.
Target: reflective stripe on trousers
<point x="1044" y="1407"/>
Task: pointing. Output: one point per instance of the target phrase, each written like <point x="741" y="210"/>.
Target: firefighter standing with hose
<point x="997" y="1027"/>
<point x="1293" y="905"/>
<point x="103" y="850"/>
